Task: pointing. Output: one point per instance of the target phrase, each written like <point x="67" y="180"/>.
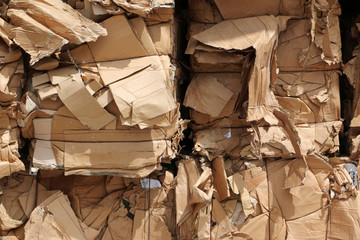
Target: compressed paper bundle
<point x="110" y="106"/>
<point x="88" y="207"/>
<point x="277" y="200"/>
<point x="266" y="69"/>
<point x="12" y="81"/>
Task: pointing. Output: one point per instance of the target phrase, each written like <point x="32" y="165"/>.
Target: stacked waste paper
<point x="265" y="105"/>
<point x="82" y="207"/>
<point x="256" y="67"/>
<point x="351" y="71"/>
<point x="12" y="81"/>
<point x="89" y="97"/>
<point x="102" y="95"/>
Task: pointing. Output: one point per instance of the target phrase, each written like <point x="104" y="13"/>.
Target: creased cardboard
<point x="82" y="29"/>
<point x="221" y="185"/>
<point x="238" y="186"/>
<point x="132" y="99"/>
<point x="313" y="226"/>
<point x="119" y="31"/>
<point x="207" y="95"/>
<point x="309" y="96"/>
<point x="343" y="219"/>
<point x="28" y="30"/>
<point x="84" y="106"/>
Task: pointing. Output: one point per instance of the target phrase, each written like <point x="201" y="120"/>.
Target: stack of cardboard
<point x="12" y="81"/>
<point x="82" y="207"/>
<point x="265" y="86"/>
<point x="351" y="71"/>
<point x="269" y="70"/>
<point x="101" y="99"/>
<point x="278" y="200"/>
<point x="105" y="103"/>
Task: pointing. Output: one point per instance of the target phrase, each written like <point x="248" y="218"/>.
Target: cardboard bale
<point x="289" y="199"/>
<point x="115" y="111"/>
<point x="12" y="80"/>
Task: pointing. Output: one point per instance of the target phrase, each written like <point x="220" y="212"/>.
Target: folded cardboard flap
<point x="83" y="105"/>
<point x="119" y="31"/>
<point x="65" y="21"/>
<point x="207" y="95"/>
<point x="28" y="31"/>
<point x="140" y="102"/>
<point x="29" y="19"/>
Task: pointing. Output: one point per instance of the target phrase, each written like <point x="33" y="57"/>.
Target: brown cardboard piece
<point x="297" y="52"/>
<point x="220" y="183"/>
<point x="343" y="215"/>
<point x="119" y="31"/>
<point x="207" y="95"/>
<point x="133" y="100"/>
<point x="84" y="106"/>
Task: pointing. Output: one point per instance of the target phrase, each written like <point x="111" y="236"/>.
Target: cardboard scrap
<point x="309" y="96"/>
<point x="84" y="106"/>
<point x="11" y="82"/>
<point x="32" y="24"/>
<point x="238" y="186"/>
<point x="200" y="96"/>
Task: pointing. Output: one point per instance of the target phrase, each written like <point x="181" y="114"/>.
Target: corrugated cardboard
<point x="56" y="216"/>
